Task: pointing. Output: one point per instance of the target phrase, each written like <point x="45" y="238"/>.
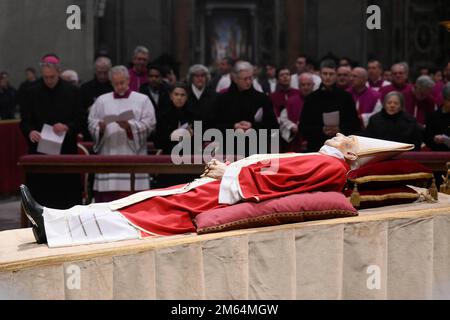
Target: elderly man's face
<point x="306" y="85"/>
<point x="244" y="80"/>
<point x="140" y="61"/>
<point x="358" y="80"/>
<point x="343" y="143"/>
<point x="284" y="77"/>
<point x="50" y="76"/>
<point x="199" y="80"/>
<point x="328" y="76"/>
<point x="399" y="75"/>
<point x="120" y="83"/>
<point x="102" y="73"/>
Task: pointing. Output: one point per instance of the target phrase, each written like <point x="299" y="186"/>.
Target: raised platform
<point x="398" y="252"/>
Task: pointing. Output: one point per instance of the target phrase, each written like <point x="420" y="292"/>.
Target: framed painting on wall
<point x="229" y="33"/>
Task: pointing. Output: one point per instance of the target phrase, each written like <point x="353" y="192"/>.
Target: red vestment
<point x="173" y="214"/>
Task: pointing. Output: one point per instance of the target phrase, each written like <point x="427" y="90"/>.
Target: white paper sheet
<point x="50" y="142"/>
<point x="331" y="119"/>
<point x="124" y="116"/>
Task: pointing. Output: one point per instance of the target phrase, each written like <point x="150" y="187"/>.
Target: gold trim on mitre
<point x="373" y="150"/>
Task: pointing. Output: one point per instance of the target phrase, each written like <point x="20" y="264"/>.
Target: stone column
<point x="295" y="39"/>
<point x="182" y="34"/>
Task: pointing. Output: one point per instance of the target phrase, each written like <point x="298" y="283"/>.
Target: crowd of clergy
<point x="309" y="103"/>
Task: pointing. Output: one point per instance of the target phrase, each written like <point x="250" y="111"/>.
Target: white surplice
<point x="115" y="140"/>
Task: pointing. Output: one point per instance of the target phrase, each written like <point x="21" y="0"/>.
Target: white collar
<point x="198" y="93"/>
<point x="331" y="151"/>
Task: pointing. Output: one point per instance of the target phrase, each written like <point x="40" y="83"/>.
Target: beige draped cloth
<point x="408" y="246"/>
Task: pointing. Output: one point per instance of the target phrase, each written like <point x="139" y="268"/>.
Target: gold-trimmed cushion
<point x="390" y="174"/>
<point x="384" y="197"/>
<point x="290" y="209"/>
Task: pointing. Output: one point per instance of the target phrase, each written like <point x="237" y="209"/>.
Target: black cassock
<point x="400" y="127"/>
<point x="235" y="106"/>
<point x="437" y="123"/>
<point x="8" y="103"/>
<point x="41" y="105"/>
<point x="326" y="101"/>
<point x="203" y="109"/>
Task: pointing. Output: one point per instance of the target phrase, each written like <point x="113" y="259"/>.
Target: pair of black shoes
<point x="33" y="211"/>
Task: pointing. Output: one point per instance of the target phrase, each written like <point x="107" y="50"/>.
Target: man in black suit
<point x="156" y="90"/>
<point x="328" y="99"/>
<point x="57" y="103"/>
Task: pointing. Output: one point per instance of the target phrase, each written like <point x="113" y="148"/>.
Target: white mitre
<point x="374" y="150"/>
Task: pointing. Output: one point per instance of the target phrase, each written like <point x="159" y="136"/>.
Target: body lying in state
<point x="170" y="211"/>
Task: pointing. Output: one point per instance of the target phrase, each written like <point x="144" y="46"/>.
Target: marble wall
<point x="29" y="29"/>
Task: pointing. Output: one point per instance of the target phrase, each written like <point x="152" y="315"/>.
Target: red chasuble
<point x="295" y="175"/>
<point x="171" y="215"/>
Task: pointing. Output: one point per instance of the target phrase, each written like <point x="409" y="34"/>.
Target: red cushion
<point x="385" y="197"/>
<point x="390" y="173"/>
<point x="289" y="209"/>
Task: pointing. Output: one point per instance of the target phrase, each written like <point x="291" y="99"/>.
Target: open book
<point x="124" y="116"/>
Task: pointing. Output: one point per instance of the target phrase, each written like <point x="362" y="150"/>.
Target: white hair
<point x="306" y="75"/>
<point x="425" y="82"/>
<point x="140" y="49"/>
<point x="397" y="94"/>
<point x="198" y="68"/>
<point x="70" y="75"/>
<point x="403" y="65"/>
<point x="103" y="61"/>
<point x="242" y="66"/>
<point x="119" y="70"/>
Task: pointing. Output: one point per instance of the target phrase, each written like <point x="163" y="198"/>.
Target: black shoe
<point x="34" y="212"/>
